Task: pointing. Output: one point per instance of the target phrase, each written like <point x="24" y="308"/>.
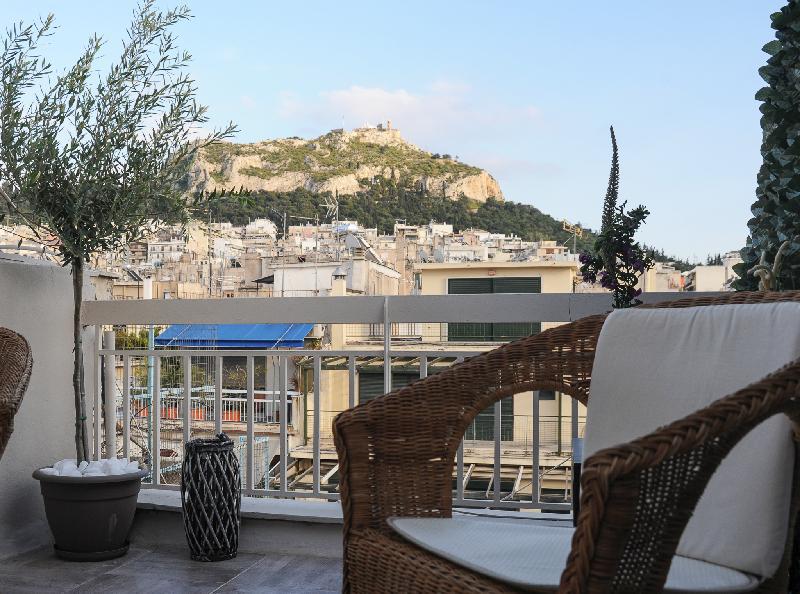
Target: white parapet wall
<point x="36" y="302"/>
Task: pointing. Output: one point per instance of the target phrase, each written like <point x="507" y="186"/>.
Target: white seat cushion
<point x="532" y="555"/>
<point x="654" y="366"/>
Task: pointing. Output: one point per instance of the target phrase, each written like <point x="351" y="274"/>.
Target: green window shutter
<point x="518" y="284"/>
<point x="469" y="332"/>
<point x="466" y="332"/>
<point x="503" y="332"/>
<point x="370" y="384"/>
<point x="469" y="286"/>
<point x="506" y="332"/>
<point x="547" y="395"/>
<point x="482" y="427"/>
<point x="511" y="284"/>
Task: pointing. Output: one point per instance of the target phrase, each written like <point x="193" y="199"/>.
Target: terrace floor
<point x="169" y="569"/>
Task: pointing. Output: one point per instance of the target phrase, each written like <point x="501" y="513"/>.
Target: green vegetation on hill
<point x="330" y="156"/>
<point x="386" y="202"/>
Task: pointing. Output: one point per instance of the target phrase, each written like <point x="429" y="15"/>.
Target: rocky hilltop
<point x="339" y="161"/>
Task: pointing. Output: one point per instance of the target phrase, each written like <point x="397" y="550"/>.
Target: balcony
<point x="277" y="405"/>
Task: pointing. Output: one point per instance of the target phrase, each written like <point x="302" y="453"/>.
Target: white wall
<point x="709" y="278"/>
<point x="36" y="302"/>
<point x="304" y="278"/>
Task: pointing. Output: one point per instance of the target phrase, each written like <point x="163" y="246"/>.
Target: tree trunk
<point x="78" y="382"/>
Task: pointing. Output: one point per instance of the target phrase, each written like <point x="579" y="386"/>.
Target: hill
<point x="343" y="162"/>
<point x="379" y="178"/>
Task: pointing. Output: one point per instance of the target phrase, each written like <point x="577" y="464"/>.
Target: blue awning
<point x="234" y="336"/>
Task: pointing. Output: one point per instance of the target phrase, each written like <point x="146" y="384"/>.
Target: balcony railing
<point x="280" y="413"/>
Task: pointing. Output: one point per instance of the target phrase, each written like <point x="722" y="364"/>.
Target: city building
<point x="713" y="277"/>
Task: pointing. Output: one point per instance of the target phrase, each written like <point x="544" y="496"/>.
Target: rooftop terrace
<point x="280" y="419"/>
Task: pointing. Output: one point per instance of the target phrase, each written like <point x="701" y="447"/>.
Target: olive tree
<point x="88" y="162"/>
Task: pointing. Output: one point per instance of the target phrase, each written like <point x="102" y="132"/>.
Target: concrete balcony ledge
<point x="290" y="510"/>
<point x="316" y="512"/>
<point x="287" y="527"/>
<point x="284" y="526"/>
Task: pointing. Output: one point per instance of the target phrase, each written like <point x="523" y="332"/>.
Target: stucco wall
<point x="36" y="301"/>
<point x="555" y="279"/>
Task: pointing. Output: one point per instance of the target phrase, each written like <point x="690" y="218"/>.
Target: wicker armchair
<point x="15" y="372"/>
<point x="394" y="464"/>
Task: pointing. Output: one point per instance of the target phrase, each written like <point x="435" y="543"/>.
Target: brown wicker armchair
<point x="394" y="464"/>
<point x="15" y="372"/>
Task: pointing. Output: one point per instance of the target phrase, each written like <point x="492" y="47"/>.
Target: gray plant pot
<point x="90" y="517"/>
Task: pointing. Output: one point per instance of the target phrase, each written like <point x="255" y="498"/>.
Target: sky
<point x="524" y="89"/>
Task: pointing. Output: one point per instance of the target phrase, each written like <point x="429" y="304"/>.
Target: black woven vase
<point x="211" y="496"/>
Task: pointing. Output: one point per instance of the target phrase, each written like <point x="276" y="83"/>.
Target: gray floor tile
<point x="169" y="570"/>
<point x="148" y="584"/>
<point x="171" y="560"/>
<point x="289" y="574"/>
<point x="42" y="571"/>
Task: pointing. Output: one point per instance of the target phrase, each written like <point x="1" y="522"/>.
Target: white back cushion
<point x="654" y="366"/>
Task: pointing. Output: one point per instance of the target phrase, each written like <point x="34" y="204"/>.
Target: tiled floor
<point x="170" y="570"/>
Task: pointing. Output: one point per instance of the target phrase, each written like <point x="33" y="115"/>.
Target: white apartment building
<point x="310" y="278"/>
<point x="713" y="278"/>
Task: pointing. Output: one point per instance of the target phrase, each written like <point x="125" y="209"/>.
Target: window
<point x="547" y="395"/>
<point x="370" y="384"/>
<point x="482" y="428"/>
<point x="484" y="331"/>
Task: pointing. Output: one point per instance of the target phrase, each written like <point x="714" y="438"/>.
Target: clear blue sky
<point x="525" y="89"/>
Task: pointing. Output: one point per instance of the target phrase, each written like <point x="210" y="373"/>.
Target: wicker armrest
<point x="16" y="363"/>
<point x="396" y="452"/>
<point x="637" y="498"/>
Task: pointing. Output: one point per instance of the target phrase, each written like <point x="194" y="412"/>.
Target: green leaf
<point x="772" y="48"/>
<point x="763" y="94"/>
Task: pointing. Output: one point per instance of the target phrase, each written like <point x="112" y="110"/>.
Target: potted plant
<point x="618" y="260"/>
<point x="88" y="166"/>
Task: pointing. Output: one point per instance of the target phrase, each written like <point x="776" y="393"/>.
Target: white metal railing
<point x="290" y="454"/>
<point x="234" y="410"/>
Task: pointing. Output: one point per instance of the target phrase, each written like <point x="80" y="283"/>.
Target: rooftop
<point x="491" y="264"/>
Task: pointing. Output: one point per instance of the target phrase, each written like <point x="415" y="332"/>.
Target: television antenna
<point x="575" y="230"/>
<point x="331" y="204"/>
